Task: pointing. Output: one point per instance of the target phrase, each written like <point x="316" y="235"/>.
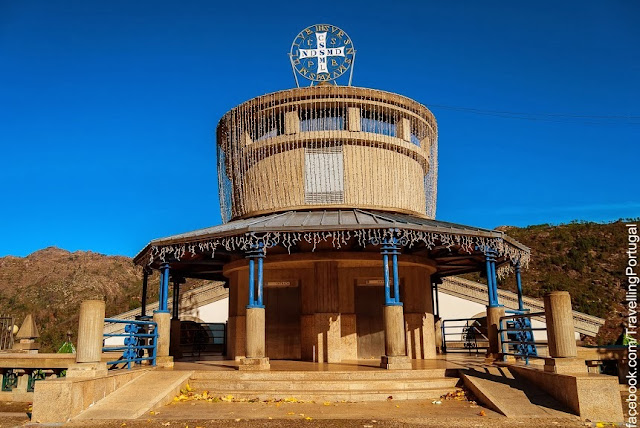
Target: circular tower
<point x="327" y="147"/>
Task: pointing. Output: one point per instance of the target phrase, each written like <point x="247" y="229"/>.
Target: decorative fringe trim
<point x="338" y="239"/>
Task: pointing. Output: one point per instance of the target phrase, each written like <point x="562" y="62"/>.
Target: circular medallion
<point x="322" y="52"/>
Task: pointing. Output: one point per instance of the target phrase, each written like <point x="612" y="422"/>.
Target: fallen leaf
<point x="308" y="418"/>
<point x="326" y="403"/>
<point x="482" y="413"/>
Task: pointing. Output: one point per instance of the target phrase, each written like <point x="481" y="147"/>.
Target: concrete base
<point x="87" y="370"/>
<point x="254" y="364"/>
<point x="26" y="345"/>
<point x="494" y="313"/>
<point x="592" y="397"/>
<point x="565" y="365"/>
<point x="401" y="362"/>
<point x="163" y="322"/>
<point x="164" y="362"/>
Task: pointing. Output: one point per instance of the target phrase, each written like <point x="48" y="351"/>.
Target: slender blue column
<point x="489" y="277"/>
<point x="387" y="288"/>
<point x="163" y="303"/>
<point x="251" y="282"/>
<point x="494" y="280"/>
<point x="260" y="280"/>
<point x="519" y="286"/>
<point x="396" y="279"/>
<point x="390" y="248"/>
<point x="255" y="293"/>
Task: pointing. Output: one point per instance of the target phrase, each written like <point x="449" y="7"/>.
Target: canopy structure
<point x="456" y="248"/>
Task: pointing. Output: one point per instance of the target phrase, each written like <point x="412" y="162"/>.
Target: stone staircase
<point x="367" y="385"/>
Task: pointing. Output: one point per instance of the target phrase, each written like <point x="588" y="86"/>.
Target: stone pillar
<point x="561" y="335"/>
<point x="403" y="129"/>
<point x="291" y="122"/>
<point x="394" y="339"/>
<point x="255" y="341"/>
<point x="494" y="313"/>
<point x="560" y="330"/>
<point x="255" y="348"/>
<point x="353" y="119"/>
<point x="90" y="333"/>
<point x="163" y="326"/>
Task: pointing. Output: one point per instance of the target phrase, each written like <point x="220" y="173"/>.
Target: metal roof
<point x="299" y="221"/>
<point x="327" y="220"/>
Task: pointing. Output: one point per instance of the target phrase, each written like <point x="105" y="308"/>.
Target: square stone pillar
<point x="163" y="327"/>
<point x="403" y="129"/>
<point x="353" y="119"/>
<point x="291" y="122"/>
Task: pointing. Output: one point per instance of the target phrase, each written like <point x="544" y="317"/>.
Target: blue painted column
<point x="395" y="350"/>
<point x="256" y="290"/>
<point x="255" y="346"/>
<point x="163" y="300"/>
<point x="390" y="248"/>
<point x="492" y="283"/>
<point x="519" y="286"/>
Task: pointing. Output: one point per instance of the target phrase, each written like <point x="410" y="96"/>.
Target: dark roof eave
<point x="251" y="227"/>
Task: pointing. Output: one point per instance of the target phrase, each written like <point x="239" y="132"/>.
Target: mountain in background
<point x="586" y="259"/>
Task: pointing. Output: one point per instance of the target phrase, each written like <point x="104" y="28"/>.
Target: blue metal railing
<point x="139" y="336"/>
<point x="519" y="334"/>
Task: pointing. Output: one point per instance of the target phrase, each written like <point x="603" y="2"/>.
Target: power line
<point x="548" y="117"/>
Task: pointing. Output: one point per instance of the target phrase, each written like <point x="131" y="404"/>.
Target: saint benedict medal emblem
<point x="322" y="52"/>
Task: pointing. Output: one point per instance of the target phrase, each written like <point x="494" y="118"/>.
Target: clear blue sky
<point x="108" y="108"/>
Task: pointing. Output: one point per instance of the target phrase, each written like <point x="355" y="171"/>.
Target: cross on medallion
<point x="322" y="52"/>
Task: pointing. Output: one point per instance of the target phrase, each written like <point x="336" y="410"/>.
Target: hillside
<point x="51" y="283"/>
<point x="586" y="259"/>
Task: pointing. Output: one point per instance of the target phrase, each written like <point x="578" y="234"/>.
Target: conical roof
<point x="29" y="330"/>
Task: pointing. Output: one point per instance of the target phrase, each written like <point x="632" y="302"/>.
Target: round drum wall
<point x="327" y="147"/>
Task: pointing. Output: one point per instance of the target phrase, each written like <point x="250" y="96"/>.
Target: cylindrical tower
<point x="327" y="147"/>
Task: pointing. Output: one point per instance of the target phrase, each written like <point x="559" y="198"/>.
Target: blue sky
<point x="108" y="108"/>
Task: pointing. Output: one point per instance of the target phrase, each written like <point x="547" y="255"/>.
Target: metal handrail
<point x="138" y="337"/>
<point x="470" y="341"/>
<point x="524" y="346"/>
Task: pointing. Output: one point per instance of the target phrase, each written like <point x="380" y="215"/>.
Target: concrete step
<point x="496" y="388"/>
<point x="221" y="386"/>
<point x="323" y="375"/>
<point x="317" y="396"/>
<point x="146" y="392"/>
<point x="366" y="385"/>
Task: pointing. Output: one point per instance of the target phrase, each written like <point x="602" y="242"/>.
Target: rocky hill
<point x="586" y="259"/>
<point x="51" y="283"/>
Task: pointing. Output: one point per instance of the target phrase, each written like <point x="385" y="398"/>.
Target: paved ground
<point x="389" y="414"/>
